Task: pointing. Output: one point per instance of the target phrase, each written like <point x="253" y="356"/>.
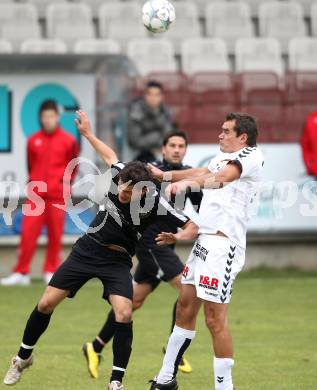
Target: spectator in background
<point x="149" y="122"/>
<point x="309" y="144"/>
<point x="48" y="153"/>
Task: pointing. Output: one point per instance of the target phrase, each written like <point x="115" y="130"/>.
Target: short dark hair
<point x="134" y="172"/>
<point x="48" y="105"/>
<point x="175" y="133"/>
<point x="154" y="84"/>
<point x="244" y="124"/>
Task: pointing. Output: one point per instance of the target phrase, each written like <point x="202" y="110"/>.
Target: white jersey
<point x="228" y="209"/>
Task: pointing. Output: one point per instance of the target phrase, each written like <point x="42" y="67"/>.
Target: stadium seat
<point x="97" y="46"/>
<point x="42" y="5"/>
<point x="262" y="95"/>
<point x="94" y="5"/>
<point x="18" y="22"/>
<point x="204" y="55"/>
<point x="152" y="55"/>
<point x="201" y="5"/>
<point x="229" y="21"/>
<point x="69" y="22"/>
<point x="259" y="54"/>
<point x="314" y="19"/>
<point x="121" y="21"/>
<point x="282" y="20"/>
<point x="303" y="54"/>
<point x="212" y="96"/>
<point x="254" y="6"/>
<point x="5" y="47"/>
<point x="187" y="25"/>
<point x="35" y="46"/>
<point x="307" y="4"/>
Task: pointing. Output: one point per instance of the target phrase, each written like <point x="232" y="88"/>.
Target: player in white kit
<point x="230" y="184"/>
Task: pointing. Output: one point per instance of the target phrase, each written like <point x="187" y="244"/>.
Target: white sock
<point x="222" y="371"/>
<point x="178" y="342"/>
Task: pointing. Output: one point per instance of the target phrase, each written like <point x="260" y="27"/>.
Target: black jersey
<point x="148" y="238"/>
<point x="115" y="224"/>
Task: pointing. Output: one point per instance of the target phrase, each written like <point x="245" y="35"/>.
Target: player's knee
<point x="137" y="303"/>
<point x="46" y="305"/>
<point x="124" y="315"/>
<point x="215" y="324"/>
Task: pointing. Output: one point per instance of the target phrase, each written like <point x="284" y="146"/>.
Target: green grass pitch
<point x="273" y="320"/>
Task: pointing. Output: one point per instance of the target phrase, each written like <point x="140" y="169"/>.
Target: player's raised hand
<point x="83" y="123"/>
<point x="156" y="172"/>
<point x="176" y="188"/>
<point x="165" y="239"/>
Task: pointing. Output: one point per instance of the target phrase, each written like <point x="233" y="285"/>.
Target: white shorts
<point x="212" y="267"/>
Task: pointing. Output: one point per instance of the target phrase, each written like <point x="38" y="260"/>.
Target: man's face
<point x="49" y="120"/>
<point x="153" y="97"/>
<point x="229" y="141"/>
<point x="175" y="149"/>
<point x="126" y="193"/>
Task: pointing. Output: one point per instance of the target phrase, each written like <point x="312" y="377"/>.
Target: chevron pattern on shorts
<point x="225" y="285"/>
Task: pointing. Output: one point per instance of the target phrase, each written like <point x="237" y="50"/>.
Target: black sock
<point x="106" y="333"/>
<point x="97" y="346"/>
<point x="35" y="327"/>
<point x="122" y="347"/>
<point x="174" y="316"/>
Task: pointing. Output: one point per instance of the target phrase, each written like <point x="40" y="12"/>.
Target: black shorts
<point x="89" y="260"/>
<point x="156" y="264"/>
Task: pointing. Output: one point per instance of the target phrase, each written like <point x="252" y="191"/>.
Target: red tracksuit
<point x="309" y="144"/>
<point x="48" y="156"/>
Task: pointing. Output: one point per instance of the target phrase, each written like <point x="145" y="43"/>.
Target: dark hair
<point x="48" y="105"/>
<point x="244" y="124"/>
<point x="135" y="171"/>
<point x="175" y="133"/>
<point x="154" y="84"/>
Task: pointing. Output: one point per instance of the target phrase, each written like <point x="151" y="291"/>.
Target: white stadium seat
<point x="187" y="24"/>
<point x="229" y="21"/>
<point x="97" y="46"/>
<point x="121" y="21"/>
<point x="254" y="6"/>
<point x="42" y="5"/>
<point x="5" y="47"/>
<point x="259" y="54"/>
<point x="43" y="46"/>
<point x="94" y="5"/>
<point x="18" y="22"/>
<point x="303" y="54"/>
<point x="69" y="22"/>
<point x="314" y="19"/>
<point x="151" y="55"/>
<point x="282" y="20"/>
<point x="307" y="4"/>
<point x="204" y="55"/>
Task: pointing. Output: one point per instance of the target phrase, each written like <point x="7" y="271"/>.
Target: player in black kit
<point x="105" y="251"/>
<point x="156" y="263"/>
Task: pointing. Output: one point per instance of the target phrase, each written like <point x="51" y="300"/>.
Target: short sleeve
<point x="249" y="161"/>
<point x="172" y="215"/>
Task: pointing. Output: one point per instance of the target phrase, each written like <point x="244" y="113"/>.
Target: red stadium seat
<point x="262" y="95"/>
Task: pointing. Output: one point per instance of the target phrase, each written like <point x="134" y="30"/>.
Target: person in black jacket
<point x="156" y="263"/>
<point x="149" y="121"/>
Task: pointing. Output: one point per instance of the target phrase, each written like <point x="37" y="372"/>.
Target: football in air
<point x="158" y="15"/>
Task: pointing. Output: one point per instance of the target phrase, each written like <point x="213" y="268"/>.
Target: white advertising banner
<point x="20" y="99"/>
<point x="287" y="200"/>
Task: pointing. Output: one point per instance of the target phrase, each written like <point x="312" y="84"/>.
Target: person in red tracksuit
<point x="309" y="144"/>
<point x="48" y="152"/>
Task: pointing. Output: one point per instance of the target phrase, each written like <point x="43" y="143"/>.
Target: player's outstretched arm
<point x="177" y="175"/>
<point x="104" y="151"/>
<point x="211" y="180"/>
<point x="189" y="232"/>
